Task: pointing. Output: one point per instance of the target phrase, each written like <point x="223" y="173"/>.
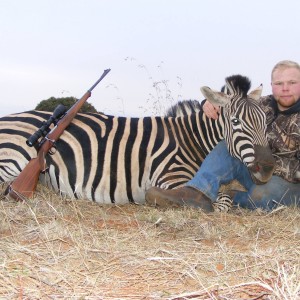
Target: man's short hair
<point x="285" y="64"/>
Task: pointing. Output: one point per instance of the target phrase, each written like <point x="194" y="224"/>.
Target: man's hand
<point x="210" y="110"/>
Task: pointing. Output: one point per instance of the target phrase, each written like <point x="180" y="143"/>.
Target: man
<point x="282" y="109"/>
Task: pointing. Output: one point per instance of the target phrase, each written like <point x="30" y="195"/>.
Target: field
<point x="57" y="248"/>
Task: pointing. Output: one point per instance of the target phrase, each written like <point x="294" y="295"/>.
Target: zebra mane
<point x="235" y="84"/>
<point x="238" y="84"/>
<point x="183" y="108"/>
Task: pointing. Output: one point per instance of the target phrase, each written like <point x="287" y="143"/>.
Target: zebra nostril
<point x="254" y="167"/>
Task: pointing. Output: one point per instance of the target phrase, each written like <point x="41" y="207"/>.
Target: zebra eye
<point x="235" y="121"/>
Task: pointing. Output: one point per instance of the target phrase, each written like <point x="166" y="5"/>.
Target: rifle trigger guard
<point x="53" y="149"/>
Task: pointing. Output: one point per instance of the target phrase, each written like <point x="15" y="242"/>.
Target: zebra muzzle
<point x="261" y="173"/>
<point x="263" y="166"/>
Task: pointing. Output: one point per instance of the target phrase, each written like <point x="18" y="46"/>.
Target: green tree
<point x="51" y="103"/>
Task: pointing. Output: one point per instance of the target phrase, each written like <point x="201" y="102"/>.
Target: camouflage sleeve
<point x="287" y="144"/>
<point x="288" y="169"/>
<point x="283" y="132"/>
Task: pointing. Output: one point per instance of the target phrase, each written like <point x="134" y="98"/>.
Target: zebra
<point x="111" y="159"/>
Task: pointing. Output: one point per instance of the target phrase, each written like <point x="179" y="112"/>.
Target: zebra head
<point x="244" y="125"/>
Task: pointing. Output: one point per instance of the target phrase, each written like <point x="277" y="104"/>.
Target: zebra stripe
<point x="223" y="203"/>
<point x="112" y="159"/>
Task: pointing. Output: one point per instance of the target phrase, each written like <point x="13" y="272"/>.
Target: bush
<point x="51" y="103"/>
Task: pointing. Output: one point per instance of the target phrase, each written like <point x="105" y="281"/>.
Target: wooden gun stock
<point x="25" y="184"/>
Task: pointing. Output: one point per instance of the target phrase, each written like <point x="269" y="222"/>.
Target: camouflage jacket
<point x="283" y="133"/>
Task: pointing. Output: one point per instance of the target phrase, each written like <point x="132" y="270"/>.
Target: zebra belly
<point x="103" y="193"/>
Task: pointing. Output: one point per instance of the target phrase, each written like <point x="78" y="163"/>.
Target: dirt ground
<point x="57" y="248"/>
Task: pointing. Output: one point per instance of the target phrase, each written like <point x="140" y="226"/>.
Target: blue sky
<point x="158" y="51"/>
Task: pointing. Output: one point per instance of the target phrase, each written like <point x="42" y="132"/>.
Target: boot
<point x="185" y="196"/>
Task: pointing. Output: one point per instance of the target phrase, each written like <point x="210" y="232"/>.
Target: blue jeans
<point x="219" y="167"/>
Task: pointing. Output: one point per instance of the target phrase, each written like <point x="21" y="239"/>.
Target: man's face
<point x="286" y="87"/>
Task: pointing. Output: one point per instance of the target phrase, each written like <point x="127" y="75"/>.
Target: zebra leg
<point x="223" y="203"/>
<point x="226" y="194"/>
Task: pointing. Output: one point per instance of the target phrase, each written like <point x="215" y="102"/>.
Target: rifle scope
<point x="59" y="111"/>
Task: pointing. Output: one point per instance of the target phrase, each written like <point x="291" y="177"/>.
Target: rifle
<point x="25" y="184"/>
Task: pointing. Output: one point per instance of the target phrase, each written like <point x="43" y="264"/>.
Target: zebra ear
<point x="256" y="94"/>
<point x="215" y="97"/>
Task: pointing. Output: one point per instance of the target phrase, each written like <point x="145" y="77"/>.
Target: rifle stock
<point x="25" y="184"/>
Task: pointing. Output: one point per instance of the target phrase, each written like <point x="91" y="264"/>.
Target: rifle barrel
<point x="102" y="76"/>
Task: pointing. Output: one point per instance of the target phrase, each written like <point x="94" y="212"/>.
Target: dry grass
<point x="54" y="248"/>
